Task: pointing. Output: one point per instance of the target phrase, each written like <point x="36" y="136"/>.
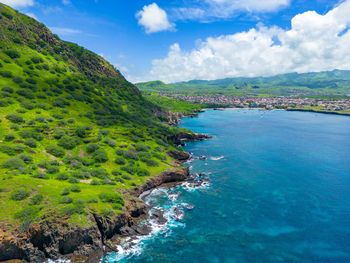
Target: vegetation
<point x="74" y="134"/>
<point x="334" y="83"/>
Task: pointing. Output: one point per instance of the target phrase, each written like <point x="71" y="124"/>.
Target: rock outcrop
<point x="54" y="238"/>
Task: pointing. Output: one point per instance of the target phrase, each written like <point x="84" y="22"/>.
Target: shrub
<point x="116" y="173"/>
<point x="7" y="89"/>
<point x="25" y="93"/>
<point x="111" y="198"/>
<point x="151" y="162"/>
<point x="8" y="150"/>
<point x="73" y="180"/>
<point x="143" y="172"/>
<point x="59" y="134"/>
<point x="104" y="132"/>
<point x="30" y="142"/>
<point x="128" y="169"/>
<point x="111" y="143"/>
<point x="15" y="118"/>
<point x="130" y="155"/>
<point x="37" y="60"/>
<point x="27" y="216"/>
<point x="65" y="191"/>
<point x="107" y="212"/>
<point x="62" y="176"/>
<point x="36" y="199"/>
<point x="67" y="142"/>
<point x="14" y="163"/>
<point x="100" y="156"/>
<point x="99" y="173"/>
<point x="17" y="80"/>
<point x="119" y="160"/>
<point x="26" y="158"/>
<point x="55" y="151"/>
<point x="93" y="200"/>
<point x="60" y="102"/>
<point x="53" y="170"/>
<point x="12" y="53"/>
<point x="92" y="147"/>
<point x="119" y="152"/>
<point x="71" y="120"/>
<point x="66" y="200"/>
<point x="19" y="148"/>
<point x="9" y="137"/>
<point x="28" y="105"/>
<point x="31" y="81"/>
<point x="141" y="147"/>
<point x="95" y="182"/>
<point x="82" y="131"/>
<point x="40" y="176"/>
<point x="19" y="195"/>
<point x="75" y="189"/>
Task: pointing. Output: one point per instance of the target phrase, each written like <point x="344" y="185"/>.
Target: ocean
<point x="278" y="191"/>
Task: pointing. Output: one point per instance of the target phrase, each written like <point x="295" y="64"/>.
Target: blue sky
<point x="175" y="40"/>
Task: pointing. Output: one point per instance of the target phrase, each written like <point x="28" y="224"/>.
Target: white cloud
<point x="64" y="31"/>
<point x="154" y="19"/>
<point x="18" y="3"/>
<point x="314" y="43"/>
<point x="208" y="10"/>
<point x="66" y="2"/>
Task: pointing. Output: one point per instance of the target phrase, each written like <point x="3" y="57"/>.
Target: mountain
<point x="336" y="82"/>
<point x="76" y="139"/>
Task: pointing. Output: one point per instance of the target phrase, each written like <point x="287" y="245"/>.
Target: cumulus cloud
<point x="18" y="3"/>
<point x="154" y="19"/>
<point x="313" y="43"/>
<point x="32" y="15"/>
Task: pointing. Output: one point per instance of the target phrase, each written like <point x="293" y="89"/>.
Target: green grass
<point x="57" y="89"/>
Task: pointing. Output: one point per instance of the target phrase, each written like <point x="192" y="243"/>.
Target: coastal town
<point x="268" y="103"/>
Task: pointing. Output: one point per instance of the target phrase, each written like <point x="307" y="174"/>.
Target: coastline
<point x="54" y="239"/>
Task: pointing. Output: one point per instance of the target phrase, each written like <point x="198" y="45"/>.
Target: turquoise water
<point x="280" y="192"/>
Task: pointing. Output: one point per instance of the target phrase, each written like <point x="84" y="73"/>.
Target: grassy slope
<point x="335" y="82"/>
<point x="55" y="89"/>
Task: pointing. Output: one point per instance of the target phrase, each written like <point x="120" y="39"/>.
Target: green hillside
<point x="74" y="134"/>
<point x="335" y="82"/>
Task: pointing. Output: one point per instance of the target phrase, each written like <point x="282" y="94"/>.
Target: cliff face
<point x="56" y="239"/>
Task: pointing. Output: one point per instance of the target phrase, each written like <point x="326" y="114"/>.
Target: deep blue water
<point x="280" y="194"/>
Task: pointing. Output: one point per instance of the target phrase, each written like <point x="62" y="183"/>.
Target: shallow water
<point x="279" y="192"/>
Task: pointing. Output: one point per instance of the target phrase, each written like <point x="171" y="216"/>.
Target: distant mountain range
<point x="336" y="82"/>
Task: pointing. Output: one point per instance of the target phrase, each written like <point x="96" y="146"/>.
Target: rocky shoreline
<point x="55" y="239"/>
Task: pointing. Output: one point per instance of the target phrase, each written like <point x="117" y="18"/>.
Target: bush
<point x="66" y="200"/>
<point x="141" y="147"/>
<point x="37" y="60"/>
<point x="27" y="216"/>
<point x="55" y="151"/>
<point x="115" y="198"/>
<point x="73" y="180"/>
<point x="82" y="131"/>
<point x="93" y="201"/>
<point x="14" y="163"/>
<point x="40" y="176"/>
<point x="71" y="120"/>
<point x="92" y="147"/>
<point x="143" y="172"/>
<point x="52" y="170"/>
<point x="65" y="191"/>
<point x="7" y="89"/>
<point x="110" y="142"/>
<point x="28" y="105"/>
<point x="99" y="173"/>
<point x="36" y="199"/>
<point x="62" y="176"/>
<point x="26" y="158"/>
<point x="130" y="155"/>
<point x="128" y="169"/>
<point x="119" y="160"/>
<point x="30" y="142"/>
<point x="116" y="173"/>
<point x="60" y="102"/>
<point x="17" y="80"/>
<point x="59" y="134"/>
<point x="9" y="137"/>
<point x="19" y="195"/>
<point x="26" y="93"/>
<point x="75" y="189"/>
<point x="100" y="156"/>
<point x="151" y="162"/>
<point x="12" y="53"/>
<point x="104" y="132"/>
<point x="107" y="212"/>
<point x="67" y="142"/>
<point x="6" y="74"/>
<point x="15" y="118"/>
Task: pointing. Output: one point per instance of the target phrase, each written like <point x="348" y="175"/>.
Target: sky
<point x="181" y="40"/>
